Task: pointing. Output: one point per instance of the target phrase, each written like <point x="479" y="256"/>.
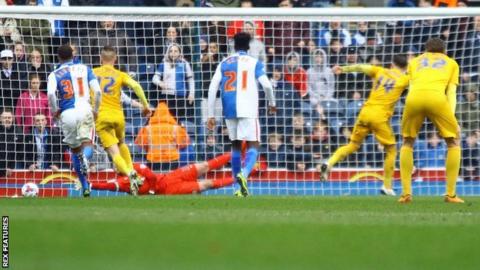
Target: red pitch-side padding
<point x="43" y="192"/>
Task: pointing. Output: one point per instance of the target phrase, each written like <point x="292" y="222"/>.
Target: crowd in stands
<point x="174" y="62"/>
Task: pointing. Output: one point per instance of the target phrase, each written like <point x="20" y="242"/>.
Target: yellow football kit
<point x="110" y="124"/>
<point x="375" y="115"/>
<point x="430" y="76"/>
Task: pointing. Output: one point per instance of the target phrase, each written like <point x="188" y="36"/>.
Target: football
<point x="30" y="190"/>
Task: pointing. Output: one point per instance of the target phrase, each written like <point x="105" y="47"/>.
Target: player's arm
<point x="212" y="94"/>
<point x="452" y="88"/>
<point x="370" y="70"/>
<point x="191" y="84"/>
<point x="97" y="92"/>
<point x="137" y="88"/>
<point x="262" y="78"/>
<point x="52" y="95"/>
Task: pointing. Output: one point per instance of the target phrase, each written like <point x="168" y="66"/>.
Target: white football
<point x="30" y="190"/>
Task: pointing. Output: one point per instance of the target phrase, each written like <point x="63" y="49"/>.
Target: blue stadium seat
<point x="332" y="108"/>
<point x="353" y="108"/>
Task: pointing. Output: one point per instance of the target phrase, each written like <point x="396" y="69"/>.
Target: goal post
<point x="317" y="109"/>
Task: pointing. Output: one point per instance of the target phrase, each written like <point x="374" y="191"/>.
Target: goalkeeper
<point x="375" y="115"/>
<point x="110" y="123"/>
<point x="183" y="180"/>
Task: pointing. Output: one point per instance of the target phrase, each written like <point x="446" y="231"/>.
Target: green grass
<point x="208" y="232"/>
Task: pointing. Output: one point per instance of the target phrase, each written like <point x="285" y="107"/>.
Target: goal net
<point x="173" y="54"/>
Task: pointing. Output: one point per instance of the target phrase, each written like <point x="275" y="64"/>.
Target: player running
<point x="73" y="82"/>
<point x="375" y="115"/>
<point x="433" y="89"/>
<point x="237" y="77"/>
<point x="183" y="180"/>
<point x="110" y="124"/>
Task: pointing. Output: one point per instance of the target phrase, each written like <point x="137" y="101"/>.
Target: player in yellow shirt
<point x="432" y="94"/>
<point x="375" y="115"/>
<point x="110" y="123"/>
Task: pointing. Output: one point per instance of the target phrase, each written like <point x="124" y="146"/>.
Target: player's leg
<point x="212" y="164"/>
<point x="215" y="184"/>
<point x="447" y="125"/>
<point x="236" y="159"/>
<point x="124" y="150"/>
<point x="384" y="134"/>
<point x="412" y="120"/>
<point x="249" y="131"/>
<point x="359" y="133"/>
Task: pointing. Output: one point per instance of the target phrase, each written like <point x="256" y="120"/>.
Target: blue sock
<point x="236" y="163"/>
<point x="88" y="152"/>
<point x="250" y="161"/>
<point x="77" y="165"/>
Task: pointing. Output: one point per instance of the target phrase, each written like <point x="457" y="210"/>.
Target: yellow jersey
<point x="388" y="85"/>
<point x="111" y="82"/>
<point x="432" y="72"/>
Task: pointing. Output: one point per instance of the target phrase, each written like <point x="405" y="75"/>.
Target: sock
<point x="236" y="163"/>
<point x="218" y="161"/>
<point x="77" y="165"/>
<point x="452" y="165"/>
<point x="389" y="165"/>
<point x="250" y="161"/>
<point x="88" y="152"/>
<point x="125" y="153"/>
<point x="342" y="153"/>
<point x="406" y="168"/>
<point x="222" y="182"/>
<point x="120" y="164"/>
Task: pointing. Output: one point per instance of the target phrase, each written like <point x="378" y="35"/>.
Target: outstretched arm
<point x="367" y="69"/>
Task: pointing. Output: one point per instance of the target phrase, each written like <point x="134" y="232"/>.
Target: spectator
<point x="424" y="30"/>
<point x="20" y="59"/>
<point x="468" y="110"/>
<point x="320" y="79"/>
<point x="31" y="103"/>
<point x="430" y="153"/>
<point x="58" y="29"/>
<point x="42" y="146"/>
<point x="298" y="124"/>
<point x="276" y="151"/>
<point x="175" y="78"/>
<point x="237" y="26"/>
<point x="299" y="157"/>
<point x="38" y="66"/>
<point x="216" y="30"/>
<point x="109" y="34"/>
<point x="322" y="142"/>
<point x="364" y="31"/>
<point x="445" y="3"/>
<point x="471" y="157"/>
<point x="225" y="3"/>
<point x="287" y="100"/>
<point x="396" y="43"/>
<point x="161" y="139"/>
<point x="295" y="74"/>
<point x="257" y="48"/>
<point x="336" y="31"/>
<point x="283" y="37"/>
<point x="471" y="62"/>
<point x="9" y="33"/>
<point x="11" y="144"/>
<point x="9" y="80"/>
<point x="36" y="32"/>
<point x="210" y="61"/>
<point x="373" y="45"/>
<point x="171" y="36"/>
<point x="212" y="148"/>
<point x="454" y="31"/>
<point x="400" y="3"/>
<point x="336" y="53"/>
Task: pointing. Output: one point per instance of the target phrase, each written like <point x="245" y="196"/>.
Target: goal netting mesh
<point x="316" y="108"/>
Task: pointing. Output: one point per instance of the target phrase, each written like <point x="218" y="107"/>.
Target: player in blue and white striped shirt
<point x="237" y="77"/>
<point x="72" y="82"/>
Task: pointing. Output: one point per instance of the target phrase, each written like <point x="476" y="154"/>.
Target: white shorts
<point x="243" y="129"/>
<point x="77" y="126"/>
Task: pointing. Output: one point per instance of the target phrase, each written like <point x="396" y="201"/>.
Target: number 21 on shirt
<point x="232" y="77"/>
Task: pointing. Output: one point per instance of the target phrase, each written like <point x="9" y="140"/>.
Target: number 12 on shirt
<point x="232" y="78"/>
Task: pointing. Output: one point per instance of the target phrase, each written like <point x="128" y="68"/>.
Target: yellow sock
<point x="125" y="153"/>
<point x="120" y="164"/>
<point x="342" y="153"/>
<point x="389" y="165"/>
<point x="406" y="168"/>
<point x="452" y="165"/>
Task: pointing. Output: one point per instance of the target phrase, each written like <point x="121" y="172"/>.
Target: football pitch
<point x="217" y="232"/>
